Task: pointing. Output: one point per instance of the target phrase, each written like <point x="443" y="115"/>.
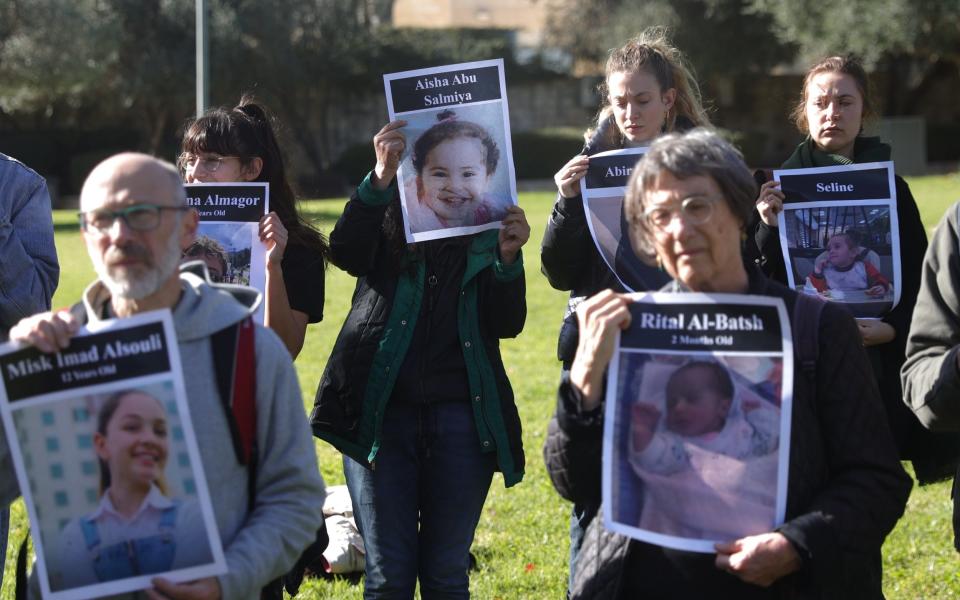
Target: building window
<point x="53" y="444"/>
<point x="56" y="471"/>
<point x="61" y="499"/>
<point x="80" y="415"/>
<point x="47" y="417"/>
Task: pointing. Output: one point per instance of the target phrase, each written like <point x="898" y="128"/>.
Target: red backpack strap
<point x="245" y="392"/>
<point x="235" y="370"/>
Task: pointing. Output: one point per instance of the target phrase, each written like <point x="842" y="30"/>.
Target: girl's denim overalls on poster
<point x="130" y="558"/>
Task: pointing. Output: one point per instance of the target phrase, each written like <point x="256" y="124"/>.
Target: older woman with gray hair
<point x="688" y="201"/>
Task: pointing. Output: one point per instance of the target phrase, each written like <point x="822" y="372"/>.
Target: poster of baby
<point x="697" y="425"/>
<point x="840" y="237"/>
<point x="603" y="189"/>
<point x="456" y="176"/>
<point x="101" y="439"/>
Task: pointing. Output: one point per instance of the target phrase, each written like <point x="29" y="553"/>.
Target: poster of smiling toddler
<point x="456" y="176"/>
<point x="697" y="425"/>
<point x="106" y="458"/>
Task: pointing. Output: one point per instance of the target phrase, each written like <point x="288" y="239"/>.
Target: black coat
<point x="370" y="350"/>
<point x="845" y="493"/>
<point x="932" y="454"/>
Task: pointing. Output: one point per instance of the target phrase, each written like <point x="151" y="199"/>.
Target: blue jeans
<point x="580" y="518"/>
<point x="418" y="509"/>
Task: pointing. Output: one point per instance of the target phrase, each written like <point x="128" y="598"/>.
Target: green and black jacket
<point x="370" y="349"/>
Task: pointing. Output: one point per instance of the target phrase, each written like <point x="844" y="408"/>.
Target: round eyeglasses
<point x="139" y="217"/>
<point x="209" y="163"/>
<point x="695" y="210"/>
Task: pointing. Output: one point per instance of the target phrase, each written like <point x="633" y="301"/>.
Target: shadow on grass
<point x="352" y="579"/>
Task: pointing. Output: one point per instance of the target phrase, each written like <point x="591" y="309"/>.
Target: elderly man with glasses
<point x="135" y="224"/>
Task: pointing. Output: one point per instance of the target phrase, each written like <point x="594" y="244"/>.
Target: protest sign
<point x="840" y="237"/>
<point x="603" y="188"/>
<point x="228" y="239"/>
<point x="456" y="176"/>
<point x="696" y="435"/>
<point x="107" y="460"/>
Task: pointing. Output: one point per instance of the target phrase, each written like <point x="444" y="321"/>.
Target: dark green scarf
<point x="865" y="149"/>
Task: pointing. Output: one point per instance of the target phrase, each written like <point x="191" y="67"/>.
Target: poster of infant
<point x="699" y="437"/>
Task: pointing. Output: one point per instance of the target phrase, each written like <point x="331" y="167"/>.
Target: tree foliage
<point x="720" y="37"/>
<point x="915" y="42"/>
<point x="129" y="64"/>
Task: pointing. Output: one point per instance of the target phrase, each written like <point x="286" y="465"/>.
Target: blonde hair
<point x="652" y="51"/>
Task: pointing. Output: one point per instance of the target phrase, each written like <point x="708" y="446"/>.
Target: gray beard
<point x="126" y="288"/>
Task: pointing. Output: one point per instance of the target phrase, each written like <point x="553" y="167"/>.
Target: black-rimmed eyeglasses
<point x="139" y="217"/>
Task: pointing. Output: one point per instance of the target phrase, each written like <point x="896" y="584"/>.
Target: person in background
<point x="689" y="200"/>
<point x="415" y="393"/>
<point x="238" y="144"/>
<point x="29" y="271"/>
<point x="931" y="371"/>
<point x="834" y="104"/>
<point x="647" y="90"/>
<point x="136" y="224"/>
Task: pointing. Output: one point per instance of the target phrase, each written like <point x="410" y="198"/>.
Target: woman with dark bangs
<point x="238" y="144"/>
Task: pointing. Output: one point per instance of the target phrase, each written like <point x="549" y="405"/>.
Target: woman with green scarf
<point x="833" y="105"/>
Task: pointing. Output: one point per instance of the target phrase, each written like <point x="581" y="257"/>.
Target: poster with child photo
<point x="697" y="424"/>
<point x="840" y="236"/>
<point x="228" y="238"/>
<point x="456" y="176"/>
<point x="603" y="189"/>
<point x="107" y="460"/>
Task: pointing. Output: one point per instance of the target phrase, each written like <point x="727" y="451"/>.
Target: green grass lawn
<point x="521" y="543"/>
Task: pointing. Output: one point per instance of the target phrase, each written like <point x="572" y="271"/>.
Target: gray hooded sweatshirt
<point x="261" y="545"/>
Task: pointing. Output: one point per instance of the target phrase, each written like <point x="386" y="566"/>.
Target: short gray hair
<point x="697" y="152"/>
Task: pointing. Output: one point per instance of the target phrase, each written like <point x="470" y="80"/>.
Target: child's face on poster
<point x="694" y="404"/>
<point x="454" y="179"/>
<point x="840" y="251"/>
<point x="135" y="443"/>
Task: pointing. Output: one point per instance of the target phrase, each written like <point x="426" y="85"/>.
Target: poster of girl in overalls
<point x="107" y="462"/>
